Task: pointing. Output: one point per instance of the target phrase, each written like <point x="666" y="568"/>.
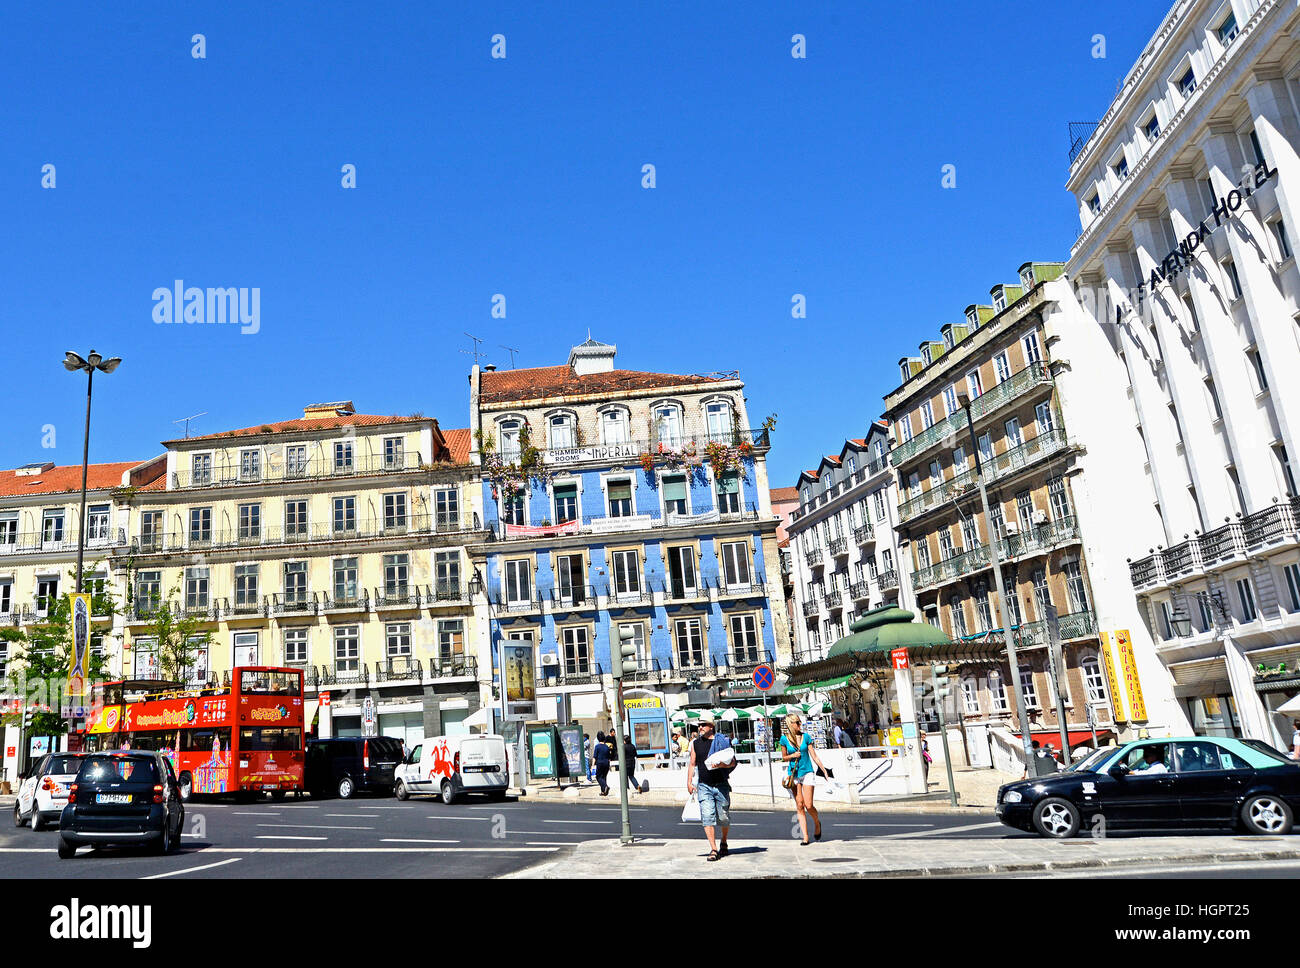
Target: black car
<point x="1194" y="783"/>
<point x="350" y="764"/>
<point x="122" y="797"/>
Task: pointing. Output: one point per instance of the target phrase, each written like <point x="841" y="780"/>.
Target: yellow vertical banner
<point x="80" y="621"/>
<point x="1116" y="697"/>
<point x="1124" y="643"/>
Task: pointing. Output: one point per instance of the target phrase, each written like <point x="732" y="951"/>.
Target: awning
<point x="833" y="683"/>
<point x="1077" y="737"/>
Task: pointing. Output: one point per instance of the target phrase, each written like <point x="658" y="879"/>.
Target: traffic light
<point x="625" y="661"/>
<point x="942" y="684"/>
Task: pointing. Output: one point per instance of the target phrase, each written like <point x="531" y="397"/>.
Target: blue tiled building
<point x="625" y="498"/>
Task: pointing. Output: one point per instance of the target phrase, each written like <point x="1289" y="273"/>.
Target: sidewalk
<point x="902" y="855"/>
<point x="976" y="794"/>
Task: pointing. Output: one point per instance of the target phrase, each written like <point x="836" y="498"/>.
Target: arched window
<point x="719" y="420"/>
<point x="510" y="440"/>
<point x="560" y="426"/>
<point x="970" y="696"/>
<point x="614" y="426"/>
<point x="668" y="424"/>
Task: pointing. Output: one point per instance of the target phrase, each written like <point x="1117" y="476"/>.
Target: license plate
<point x="112" y="798"/>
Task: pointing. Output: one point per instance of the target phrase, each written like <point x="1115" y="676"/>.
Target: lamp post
<point x="963" y="398"/>
<point x="72" y="362"/>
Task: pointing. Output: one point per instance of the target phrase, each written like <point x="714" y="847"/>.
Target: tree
<point x="177" y="638"/>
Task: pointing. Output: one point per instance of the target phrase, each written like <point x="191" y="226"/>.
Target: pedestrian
<point x="837" y="734"/>
<point x="1031" y="768"/>
<point x="600" y="755"/>
<point x="926" y="760"/>
<point x="798" y="750"/>
<point x="713" y="791"/>
<point x="1295" y="739"/>
<point x="629" y="762"/>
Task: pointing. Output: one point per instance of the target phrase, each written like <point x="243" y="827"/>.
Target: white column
<point x="907" y="716"/>
<point x="1241" y="677"/>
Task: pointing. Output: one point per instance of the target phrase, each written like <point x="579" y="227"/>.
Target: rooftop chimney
<point x="592" y="356"/>
<point x="490" y="368"/>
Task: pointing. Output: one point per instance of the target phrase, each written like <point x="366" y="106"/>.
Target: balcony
<point x="1230" y="544"/>
<point x="1273" y="527"/>
<point x="746" y="661"/>
<point x="755" y="588"/>
<point x="1018" y="385"/>
<point x="601" y="524"/>
<point x="342" y="673"/>
<point x="860" y="591"/>
<point x="864" y="534"/>
<point x="243" y="609"/>
<point x="810" y="608"/>
<point x="397" y="597"/>
<point x="834" y="600"/>
<point x="1038" y="540"/>
<point x="453" y="665"/>
<point x="515" y="605"/>
<point x="889" y="579"/>
<point x="813" y="558"/>
<point x="315" y="469"/>
<point x="838" y="547"/>
<point x="1072" y="625"/>
<point x="630" y="598"/>
<point x="627" y="452"/>
<point x="1003" y="465"/>
<point x="294" y="604"/>
<point x="346" y="603"/>
<point x="445" y="593"/>
<point x="675" y="590"/>
<point x="36" y="543"/>
<point x="578" y="673"/>
<point x="399" y="668"/>
<point x="573" y="598"/>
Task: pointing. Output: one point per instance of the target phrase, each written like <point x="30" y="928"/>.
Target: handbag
<point x="788" y="781"/>
<point x="691" y="812"/>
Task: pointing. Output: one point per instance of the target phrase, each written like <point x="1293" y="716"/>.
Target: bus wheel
<point x="187" y="787"/>
<point x="448" y="792"/>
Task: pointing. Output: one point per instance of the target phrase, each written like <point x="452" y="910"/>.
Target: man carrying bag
<point x="714" y="789"/>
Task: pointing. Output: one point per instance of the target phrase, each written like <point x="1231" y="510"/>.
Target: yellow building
<point x="334" y="542"/>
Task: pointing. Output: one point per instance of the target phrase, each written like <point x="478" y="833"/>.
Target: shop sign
<point x="1134" y="687"/>
<point x="1116" y="697"/>
<point x="604" y="452"/>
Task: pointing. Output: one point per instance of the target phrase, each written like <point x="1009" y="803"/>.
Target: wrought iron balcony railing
<point x="864" y="533"/>
<point x="573" y="598"/>
<point x="1038" y="539"/>
<point x="274" y="535"/>
<point x="813" y="558"/>
<point x="35" y="542"/>
<point x="889" y="579"/>
<point x="838" y="547"/>
<point x="274" y="469"/>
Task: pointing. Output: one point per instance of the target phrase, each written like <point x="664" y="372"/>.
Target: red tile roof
<point x="458" y="442"/>
<point x="301" y="425"/>
<point x="781" y="495"/>
<point x="549" y="381"/>
<point x="62" y="480"/>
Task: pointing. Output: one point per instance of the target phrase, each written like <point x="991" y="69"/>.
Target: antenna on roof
<point x="186" y="421"/>
<point x="474" y="352"/>
<point x="512" y="351"/>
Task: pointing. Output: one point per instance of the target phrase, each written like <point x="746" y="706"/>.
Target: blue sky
<point x="522" y="176"/>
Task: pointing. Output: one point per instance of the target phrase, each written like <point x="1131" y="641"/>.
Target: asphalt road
<point x="372" y="836"/>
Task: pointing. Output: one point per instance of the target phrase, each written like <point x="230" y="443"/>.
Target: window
<point x="690" y="643"/>
<point x="998" y="694"/>
<point x="627" y="574"/>
<point x="958" y="616"/>
<point x="397" y="637"/>
<point x="1292" y="572"/>
<point x="569" y="579"/>
<point x="927" y="415"/>
<point x="1000" y="300"/>
<point x="1283" y="243"/>
<point x="345" y="580"/>
<point x="1167" y="620"/>
<point x="52" y="526"/>
<point x="1187" y="83"/>
<point x="196" y="589"/>
<point x="983" y="610"/>
<point x="1257" y="366"/>
<point x="577" y="651"/>
<point x="613" y="427"/>
<point x="1027" y="685"/>
<point x="681" y="572"/>
<point x="510" y="441"/>
<point x="246" y="578"/>
<point x="397" y="570"/>
<point x="958" y="461"/>
<point x="343" y="457"/>
<point x="295" y="461"/>
<point x="1057" y="498"/>
<point x="1246" y="595"/>
<point x="1203" y="607"/>
<point x="519" y="584"/>
<point x="637" y="634"/>
<point x="852" y="464"/>
<point x="970" y="533"/>
<point x="200" y="525"/>
<point x="1152" y="127"/>
<point x="922" y="557"/>
<point x="1227" y="31"/>
<point x="974" y="384"/>
<point x="1074" y="586"/>
<point x="735" y="564"/>
<point x="395" y="512"/>
<point x="1094" y="204"/>
<point x="620" y="498"/>
<point x="913" y="485"/>
<point x="973" y="318"/>
<point x="1033" y="354"/>
<point x="905" y="428"/>
<point x="969" y="697"/>
<point x="668" y="425"/>
<point x="950" y="399"/>
<point x="1024" y="510"/>
<point x="562" y="435"/>
<point x="9" y="527"/>
<point x="1092" y="679"/>
<point x="148" y="592"/>
<point x="1284" y="464"/>
<point x="1234" y="281"/>
<point x="446" y="575"/>
<point x="945" y="545"/>
<point x="1015" y="617"/>
<point x="6" y="603"/>
<point x="1120" y="168"/>
<point x="1214" y="398"/>
<point x="295" y="582"/>
<point x="1042" y="595"/>
<point x="446" y="507"/>
<point x="936" y="475"/>
<point x="451" y="639"/>
<point x="345" y="514"/>
<point x="997" y="519"/>
<point x="1043" y="414"/>
<point x="879" y="497"/>
<point x="250" y="465"/>
<point x="718" y="418"/>
<point x="1256" y="148"/>
<point x="295" y="519"/>
<point x="347" y="649"/>
<point x="97" y="517"/>
<point x="566" y="503"/>
<point x="744" y="639"/>
<point x="295" y="647"/>
<point x="1002" y="367"/>
<point x="394" y="459"/>
<point x="674" y="486"/>
<point x="201" y="469"/>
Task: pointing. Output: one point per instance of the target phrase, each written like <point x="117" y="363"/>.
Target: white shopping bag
<point x="691" y="812"/>
<point x="723" y="757"/>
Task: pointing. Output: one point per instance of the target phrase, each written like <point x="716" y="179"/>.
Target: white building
<point x="844" y="550"/>
<point x="1178" y="336"/>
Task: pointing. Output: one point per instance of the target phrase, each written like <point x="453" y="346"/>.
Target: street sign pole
<point x="1054" y="658"/>
<point x="764" y="678"/>
<point x="942" y="691"/>
<point x="623" y="663"/>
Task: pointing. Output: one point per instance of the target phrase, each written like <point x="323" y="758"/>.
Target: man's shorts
<point x="715" y="805"/>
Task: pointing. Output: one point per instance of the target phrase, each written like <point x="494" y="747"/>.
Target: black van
<point x="350" y="764"/>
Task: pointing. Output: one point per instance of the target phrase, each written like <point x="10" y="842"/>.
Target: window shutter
<point x="620" y="490"/>
<point x="675" y="489"/>
<point x="729" y="484"/>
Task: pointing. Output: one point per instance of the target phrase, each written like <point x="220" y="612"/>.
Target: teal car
<point x="1182" y="783"/>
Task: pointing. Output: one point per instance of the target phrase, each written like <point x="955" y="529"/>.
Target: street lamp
<point x="1181" y="621"/>
<point x="72" y="362"/>
<point x="963" y="399"/>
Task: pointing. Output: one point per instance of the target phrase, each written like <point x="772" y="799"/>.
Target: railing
<point x="398" y="668"/>
<point x="446" y="592"/>
<point x="757" y="585"/>
<point x="864" y="533"/>
<point x="574" y="673"/>
<point x="860" y="591"/>
<point x="838" y="547"/>
<point x="813" y="558"/>
<point x="747" y="660"/>
<point x="307" y="604"/>
<point x="1039" y="539"/>
<point x="676" y="591"/>
<point x="246" y="609"/>
<point x="834" y="599"/>
<point x="573" y="598"/>
<point x="954" y="425"/>
<point x="1183" y="559"/>
<point x="810" y="608"/>
<point x="999" y="466"/>
<point x="333" y="675"/>
<point x="33" y="542"/>
<point x="1222" y="544"/>
<point x="271" y="535"/>
<point x="346" y="603"/>
<point x="629" y="451"/>
<point x="530" y="604"/>
<point x="889" y="579"/>
<point x="607" y="524"/>
<point x="455" y="665"/>
<point x="315" y="468"/>
<point x="1272" y="525"/>
<point x="1072" y="625"/>
<point x="398" y="596"/>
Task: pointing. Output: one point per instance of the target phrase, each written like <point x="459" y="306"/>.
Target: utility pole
<point x="942" y="690"/>
<point x="1058" y="676"/>
<point x="623" y="663"/>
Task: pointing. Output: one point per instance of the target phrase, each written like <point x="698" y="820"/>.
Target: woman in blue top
<point x="799" y="752"/>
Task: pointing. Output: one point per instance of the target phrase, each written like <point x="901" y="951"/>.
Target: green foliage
<point x="177" y="637"/>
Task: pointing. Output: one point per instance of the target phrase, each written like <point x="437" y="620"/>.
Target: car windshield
<point x="1092" y="762"/>
<point x="103" y="769"/>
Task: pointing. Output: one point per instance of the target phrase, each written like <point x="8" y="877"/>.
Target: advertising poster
<point x="541" y="751"/>
<point x="1116" y="697"/>
<point x="520" y="678"/>
<point x="1137" y="706"/>
<point x="571" y="764"/>
<point x="80" y="643"/>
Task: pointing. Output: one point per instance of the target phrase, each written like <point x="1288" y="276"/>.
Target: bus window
<point x="200" y="740"/>
<point x="258" y="740"/>
<point x="266" y="682"/>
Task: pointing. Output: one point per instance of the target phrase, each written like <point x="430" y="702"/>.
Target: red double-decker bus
<point x="241" y="738"/>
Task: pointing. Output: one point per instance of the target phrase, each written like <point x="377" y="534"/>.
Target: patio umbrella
<point x="1291" y="707"/>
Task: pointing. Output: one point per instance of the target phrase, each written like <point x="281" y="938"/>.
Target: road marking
<point x="484" y="819"/>
<point x="546" y="843"/>
<point x="942" y="830"/>
<point x="313" y="826"/>
<point x="884" y="824"/>
<point x="285" y="837"/>
<point x="191" y="870"/>
<point x="370" y="816"/>
<point x="407" y="840"/>
<point x="251" y="813"/>
<point x="696" y="823"/>
<point x="576" y="821"/>
<point x="379" y="850"/>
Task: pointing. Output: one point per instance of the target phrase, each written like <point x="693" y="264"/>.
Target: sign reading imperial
<point x="603" y="452"/>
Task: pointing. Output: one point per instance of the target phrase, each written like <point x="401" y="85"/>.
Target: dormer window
<point x="807" y="494"/>
<point x="1187" y="83"/>
<point x="1027" y="279"/>
<point x="925" y="355"/>
<point x="905" y="371"/>
<point x="1000" y="300"/>
<point x="852" y="464"/>
<point x="948" y="339"/>
<point x="973" y="317"/>
<point x="1227" y="31"/>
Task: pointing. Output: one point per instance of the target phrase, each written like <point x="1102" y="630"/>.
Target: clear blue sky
<point x="521" y="176"/>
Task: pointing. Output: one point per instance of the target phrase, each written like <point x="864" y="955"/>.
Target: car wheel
<point x="1266" y="814"/>
<point x="186" y="784"/>
<point x="35" y="821"/>
<point x="18" y="816"/>
<point x="66" y="849"/>
<point x="448" y="792"/>
<point x="400" y="791"/>
<point x="346" y="788"/>
<point x="1056" y="818"/>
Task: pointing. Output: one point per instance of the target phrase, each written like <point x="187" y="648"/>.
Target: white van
<point x="450" y="766"/>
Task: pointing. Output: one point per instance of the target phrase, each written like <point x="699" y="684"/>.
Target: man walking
<point x="629" y="762"/>
<point x="600" y="755"/>
<point x="713" y="790"/>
